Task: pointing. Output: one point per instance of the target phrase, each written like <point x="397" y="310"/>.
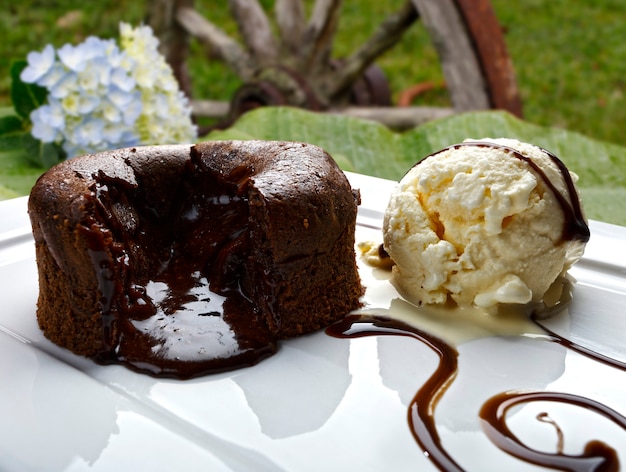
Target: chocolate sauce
<point x="182" y="312"/>
<point x="106" y="282"/>
<point x="596" y="356"/>
<point x="422" y="408"/>
<point x="382" y="252"/>
<point x="597" y="455"/>
<point x="575" y="227"/>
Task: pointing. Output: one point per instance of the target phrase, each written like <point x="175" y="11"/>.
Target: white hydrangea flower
<point x="43" y="128"/>
<point x="102" y="96"/>
<point x="110" y="112"/>
<point x="89" y="133"/>
<point x="39" y="64"/>
<point x="159" y="87"/>
<point x="73" y="57"/>
<point x="53" y="76"/>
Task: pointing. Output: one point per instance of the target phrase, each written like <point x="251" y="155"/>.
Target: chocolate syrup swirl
<point x="597" y="456"/>
<point x="422" y="408"/>
<point x="575" y="227"/>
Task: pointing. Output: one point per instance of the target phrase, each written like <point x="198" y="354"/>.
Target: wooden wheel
<point x="295" y="66"/>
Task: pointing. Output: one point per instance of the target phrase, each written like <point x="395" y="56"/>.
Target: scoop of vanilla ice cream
<point x="478" y="224"/>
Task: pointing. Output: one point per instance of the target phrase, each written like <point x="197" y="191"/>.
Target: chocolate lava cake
<point x="182" y="260"/>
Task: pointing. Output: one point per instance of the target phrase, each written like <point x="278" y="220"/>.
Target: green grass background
<point x="569" y="55"/>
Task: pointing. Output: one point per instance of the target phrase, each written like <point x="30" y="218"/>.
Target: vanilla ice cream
<point x="484" y="223"/>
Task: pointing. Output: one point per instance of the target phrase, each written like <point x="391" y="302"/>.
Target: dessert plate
<point x="321" y="403"/>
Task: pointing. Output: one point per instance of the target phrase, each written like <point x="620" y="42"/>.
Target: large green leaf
<point x="11" y="132"/>
<point x="357" y="145"/>
<point x="370" y="148"/>
<point x="41" y="154"/>
<point x="17" y="175"/>
<point x="6" y="194"/>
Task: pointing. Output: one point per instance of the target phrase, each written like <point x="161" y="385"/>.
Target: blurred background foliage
<point x="569" y="55"/>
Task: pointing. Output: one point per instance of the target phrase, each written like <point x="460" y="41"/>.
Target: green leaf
<point x="370" y="148"/>
<point x="17" y="176"/>
<point x="6" y="193"/>
<point x="12" y="141"/>
<point x="10" y="124"/>
<point x="51" y="154"/>
<point x="364" y="146"/>
<point x="41" y="154"/>
<point x="11" y="132"/>
<point x="25" y="97"/>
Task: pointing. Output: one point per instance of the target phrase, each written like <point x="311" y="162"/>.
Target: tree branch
<point x="222" y="45"/>
<point x="396" y="118"/>
<point x="319" y="34"/>
<point x="255" y="29"/>
<point x="442" y="19"/>
<point x="291" y="23"/>
<point x="386" y="36"/>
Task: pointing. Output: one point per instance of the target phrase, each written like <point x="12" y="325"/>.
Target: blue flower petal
<point x="73" y="57"/>
<point x="39" y="63"/>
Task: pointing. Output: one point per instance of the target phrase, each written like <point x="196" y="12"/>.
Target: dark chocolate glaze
<point x="382" y="252"/>
<point x="597" y="455"/>
<point x="575" y="227"/>
<point x="188" y="315"/>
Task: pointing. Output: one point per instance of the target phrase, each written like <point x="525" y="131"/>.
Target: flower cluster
<point x="104" y="96"/>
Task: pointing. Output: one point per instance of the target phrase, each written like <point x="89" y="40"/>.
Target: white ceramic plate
<point x="320" y="403"/>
